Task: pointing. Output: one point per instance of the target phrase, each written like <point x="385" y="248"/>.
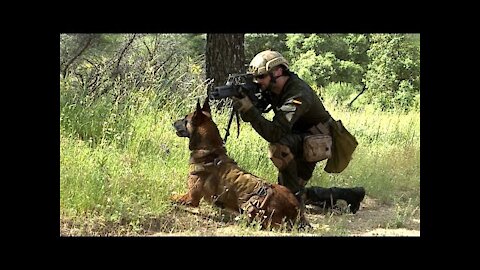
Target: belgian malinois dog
<point x="218" y="179"/>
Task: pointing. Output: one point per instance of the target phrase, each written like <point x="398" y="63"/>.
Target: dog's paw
<point x="185" y="200"/>
<point x="304" y="225"/>
<point x="180" y="199"/>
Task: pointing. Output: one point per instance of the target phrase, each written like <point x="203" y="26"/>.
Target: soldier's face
<point x="263" y="81"/>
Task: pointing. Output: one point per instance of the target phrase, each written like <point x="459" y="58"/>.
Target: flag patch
<point x="295" y="101"/>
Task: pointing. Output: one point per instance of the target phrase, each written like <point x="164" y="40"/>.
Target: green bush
<point x="339" y="93"/>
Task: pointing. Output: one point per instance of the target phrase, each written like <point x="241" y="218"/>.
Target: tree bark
<point x="224" y="55"/>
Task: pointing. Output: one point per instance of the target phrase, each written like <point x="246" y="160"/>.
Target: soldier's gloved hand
<point x="242" y="104"/>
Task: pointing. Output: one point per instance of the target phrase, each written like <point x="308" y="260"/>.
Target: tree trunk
<point x="224" y="55"/>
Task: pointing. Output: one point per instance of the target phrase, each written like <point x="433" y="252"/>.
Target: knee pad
<point x="280" y="155"/>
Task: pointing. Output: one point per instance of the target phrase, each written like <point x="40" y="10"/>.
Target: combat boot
<point x="327" y="197"/>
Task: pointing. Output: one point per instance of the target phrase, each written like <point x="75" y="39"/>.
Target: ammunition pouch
<point x="318" y="146"/>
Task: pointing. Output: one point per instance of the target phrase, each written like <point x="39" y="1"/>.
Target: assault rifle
<point x="241" y="85"/>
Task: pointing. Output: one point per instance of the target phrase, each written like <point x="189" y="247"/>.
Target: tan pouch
<point x="317" y="147"/>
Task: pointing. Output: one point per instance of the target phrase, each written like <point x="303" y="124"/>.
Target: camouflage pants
<point x="295" y="174"/>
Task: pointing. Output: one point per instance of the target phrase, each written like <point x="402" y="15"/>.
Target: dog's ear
<point x="198" y="116"/>
<point x="198" y="106"/>
<point x="206" y="106"/>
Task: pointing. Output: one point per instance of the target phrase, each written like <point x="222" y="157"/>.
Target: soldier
<point x="298" y="113"/>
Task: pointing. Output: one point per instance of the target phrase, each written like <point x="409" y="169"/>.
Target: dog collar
<point x="196" y="167"/>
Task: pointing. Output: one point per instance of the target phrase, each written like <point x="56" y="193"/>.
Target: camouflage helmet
<point x="264" y="61"/>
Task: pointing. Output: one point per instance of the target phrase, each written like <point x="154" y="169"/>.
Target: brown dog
<point x="218" y="179"/>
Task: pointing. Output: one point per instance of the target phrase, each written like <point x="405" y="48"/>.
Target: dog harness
<point x="254" y="202"/>
<point x="202" y="159"/>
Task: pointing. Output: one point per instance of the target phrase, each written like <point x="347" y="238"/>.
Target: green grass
<point x="121" y="162"/>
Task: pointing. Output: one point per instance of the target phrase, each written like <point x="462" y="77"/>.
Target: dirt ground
<point x="373" y="219"/>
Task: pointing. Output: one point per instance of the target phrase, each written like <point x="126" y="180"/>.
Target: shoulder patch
<point x="289" y="110"/>
<point x="289" y="116"/>
<point x="288" y="107"/>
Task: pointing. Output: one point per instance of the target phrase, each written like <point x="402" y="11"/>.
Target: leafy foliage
<point x="387" y="65"/>
<point x="393" y="77"/>
<point x="255" y="43"/>
<point x="338" y="93"/>
<point x="110" y="74"/>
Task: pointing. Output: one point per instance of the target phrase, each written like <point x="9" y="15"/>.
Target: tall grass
<point x="121" y="160"/>
<point x="387" y="159"/>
